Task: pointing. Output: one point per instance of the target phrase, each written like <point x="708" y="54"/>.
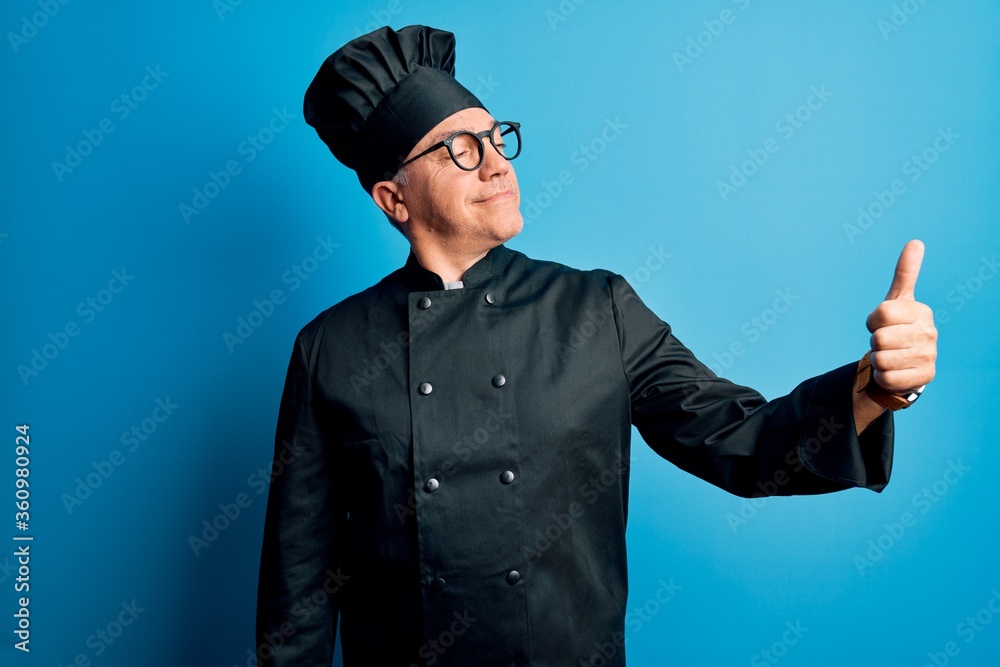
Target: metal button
<point x="431" y="485"/>
<point x="423" y="303"/>
<point x="513" y="577"/>
<point x="490" y="299"/>
<point x="438" y="584"/>
<point x="499" y="380"/>
<point x="425" y="388"/>
<point x="506" y="477"/>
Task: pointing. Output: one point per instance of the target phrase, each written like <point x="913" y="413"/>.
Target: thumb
<point x="907" y="269"/>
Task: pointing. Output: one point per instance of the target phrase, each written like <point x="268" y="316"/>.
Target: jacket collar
<point x="492" y="263"/>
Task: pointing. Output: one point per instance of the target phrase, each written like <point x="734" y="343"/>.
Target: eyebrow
<point x="442" y="135"/>
<point x="447" y="133"/>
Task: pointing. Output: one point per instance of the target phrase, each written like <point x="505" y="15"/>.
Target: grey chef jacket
<point x="450" y="470"/>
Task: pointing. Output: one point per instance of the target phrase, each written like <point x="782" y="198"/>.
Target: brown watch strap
<point x="867" y="383"/>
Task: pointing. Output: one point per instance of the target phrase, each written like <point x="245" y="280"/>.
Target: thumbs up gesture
<point x="904" y="339"/>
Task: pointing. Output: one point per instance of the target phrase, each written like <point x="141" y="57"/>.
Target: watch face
<point x="914" y="395"/>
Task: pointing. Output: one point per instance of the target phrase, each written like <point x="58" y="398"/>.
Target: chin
<point x="509" y="227"/>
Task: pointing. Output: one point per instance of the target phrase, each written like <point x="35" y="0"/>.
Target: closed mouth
<point x="509" y="192"/>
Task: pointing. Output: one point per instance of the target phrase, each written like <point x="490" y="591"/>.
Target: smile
<point x="500" y="196"/>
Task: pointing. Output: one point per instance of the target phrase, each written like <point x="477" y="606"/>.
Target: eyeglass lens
<point x="466" y="148"/>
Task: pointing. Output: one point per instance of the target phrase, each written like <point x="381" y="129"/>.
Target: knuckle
<point x="888" y="380"/>
<point x="880" y="361"/>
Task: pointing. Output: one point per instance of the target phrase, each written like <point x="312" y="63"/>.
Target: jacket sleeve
<point x="296" y="602"/>
<point x="731" y="436"/>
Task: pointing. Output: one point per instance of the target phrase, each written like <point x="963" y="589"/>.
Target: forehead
<point x="474" y="120"/>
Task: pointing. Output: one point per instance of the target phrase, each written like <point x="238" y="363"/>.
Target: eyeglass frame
<point x="482" y="148"/>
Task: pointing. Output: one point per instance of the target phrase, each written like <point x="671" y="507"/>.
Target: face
<point x="466" y="210"/>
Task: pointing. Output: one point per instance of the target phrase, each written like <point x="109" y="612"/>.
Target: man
<point x="454" y="440"/>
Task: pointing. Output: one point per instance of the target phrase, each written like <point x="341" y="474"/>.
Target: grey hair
<point x="402" y="177"/>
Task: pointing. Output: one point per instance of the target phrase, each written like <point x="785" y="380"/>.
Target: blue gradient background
<point x="564" y="71"/>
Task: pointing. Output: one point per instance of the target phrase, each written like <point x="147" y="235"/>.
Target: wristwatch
<point x="866" y="382"/>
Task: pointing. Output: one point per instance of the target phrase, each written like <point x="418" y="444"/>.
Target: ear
<point x="388" y="196"/>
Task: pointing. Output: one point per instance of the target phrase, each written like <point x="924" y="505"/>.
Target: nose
<point x="493" y="163"/>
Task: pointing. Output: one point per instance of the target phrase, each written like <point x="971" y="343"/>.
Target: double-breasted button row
<point x="432" y="484"/>
<point x="426" y="387"/>
<point x="424" y="302"/>
<point x="511" y="578"/>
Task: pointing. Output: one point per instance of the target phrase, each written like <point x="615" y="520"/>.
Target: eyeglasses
<point x="466" y="148"/>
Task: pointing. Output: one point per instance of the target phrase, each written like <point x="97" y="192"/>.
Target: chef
<point x="454" y="440"/>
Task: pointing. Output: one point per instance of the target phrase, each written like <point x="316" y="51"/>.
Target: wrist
<point x="866" y="383"/>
